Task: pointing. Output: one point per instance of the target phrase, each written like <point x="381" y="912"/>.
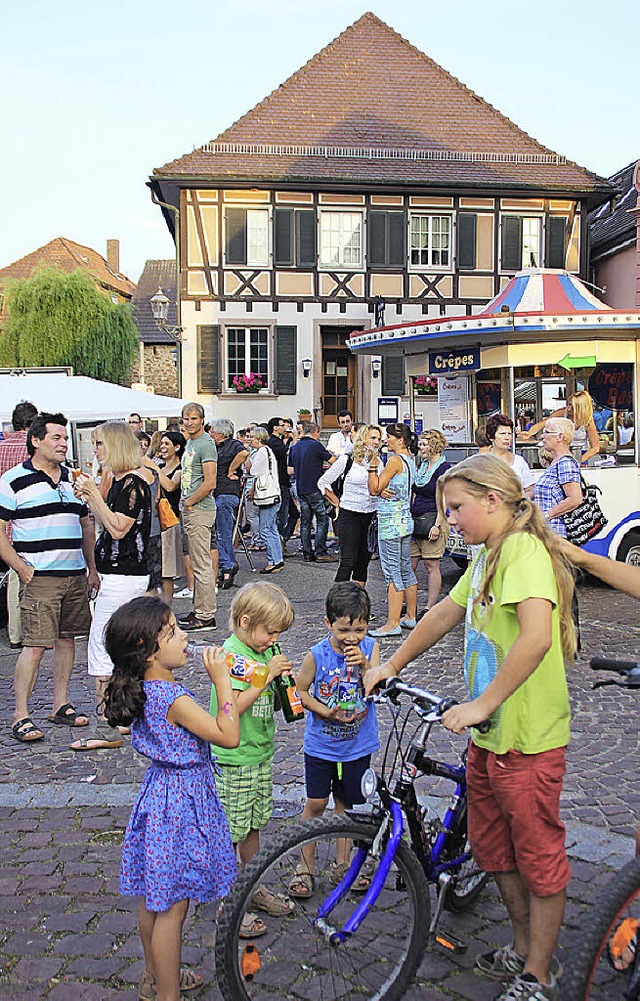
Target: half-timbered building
<point x="370" y="179"/>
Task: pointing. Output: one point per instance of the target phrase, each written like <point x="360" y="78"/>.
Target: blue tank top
<point x="331" y="739"/>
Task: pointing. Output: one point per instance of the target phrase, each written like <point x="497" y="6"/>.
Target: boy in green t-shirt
<point x="259" y="613"/>
<point x="515" y="600"/>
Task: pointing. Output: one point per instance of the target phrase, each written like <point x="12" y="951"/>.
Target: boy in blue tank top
<point x="341" y="730"/>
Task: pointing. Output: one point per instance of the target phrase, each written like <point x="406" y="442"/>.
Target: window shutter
<point x="397" y="233"/>
<point x="286" y="360"/>
<point x="283" y="237"/>
<point x="208" y="359"/>
<point x="306" y="238"/>
<point x="236" y="236"/>
<point x="511" y="243"/>
<point x="377" y="239"/>
<point x="556" y="227"/>
<point x="467" y="222"/>
<point x="393" y="375"/>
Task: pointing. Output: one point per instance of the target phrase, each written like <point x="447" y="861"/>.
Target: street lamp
<point x="306" y="367"/>
<point x="160" y="310"/>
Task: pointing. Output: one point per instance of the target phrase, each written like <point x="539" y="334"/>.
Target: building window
<point x="341" y="239"/>
<point x="430" y="241"/>
<point x="521" y="242"/>
<point x="247" y="237"/>
<point x="247" y="351"/>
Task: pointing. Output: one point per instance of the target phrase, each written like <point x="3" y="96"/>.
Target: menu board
<point x="453" y="395"/>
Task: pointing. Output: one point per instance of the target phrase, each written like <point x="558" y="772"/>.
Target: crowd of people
<point x="107" y="538"/>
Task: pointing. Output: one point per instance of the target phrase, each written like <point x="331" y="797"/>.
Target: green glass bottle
<point x="290" y="702"/>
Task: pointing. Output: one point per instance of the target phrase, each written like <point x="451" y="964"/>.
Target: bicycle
<point x="590" y="973"/>
<point x="368" y="948"/>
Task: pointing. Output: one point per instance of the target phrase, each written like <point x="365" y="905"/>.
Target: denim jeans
<point x="310" y="505"/>
<point x="226" y="507"/>
<point x="269" y="532"/>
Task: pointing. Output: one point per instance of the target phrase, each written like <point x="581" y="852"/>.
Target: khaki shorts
<point x="246" y="794"/>
<point x="427" y="549"/>
<point x="54" y="608"/>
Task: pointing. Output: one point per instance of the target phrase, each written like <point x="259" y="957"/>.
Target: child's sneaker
<point x="527" y="988"/>
<point x="505" y="964"/>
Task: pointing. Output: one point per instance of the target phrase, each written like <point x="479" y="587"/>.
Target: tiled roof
<point x="69" y="256"/>
<point x="613" y="223"/>
<point x="398" y="118"/>
<point x="156" y="274"/>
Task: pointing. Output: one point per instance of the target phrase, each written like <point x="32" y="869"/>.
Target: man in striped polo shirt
<point x="52" y="552"/>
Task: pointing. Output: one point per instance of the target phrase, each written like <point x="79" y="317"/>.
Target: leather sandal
<point x="189" y="981"/>
<point x="276" y="905"/>
<point x="26" y="731"/>
<point x="252" y="926"/>
<point x="102" y="738"/>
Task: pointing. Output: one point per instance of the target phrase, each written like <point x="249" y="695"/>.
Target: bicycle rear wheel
<point x="589" y="976"/>
<point x="468" y="881"/>
<point x="296" y="960"/>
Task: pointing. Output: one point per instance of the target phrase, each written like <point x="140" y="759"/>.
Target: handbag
<point x="372" y="535"/>
<point x="588" y="518"/>
<point x="423" y="523"/>
<point x="266" y="489"/>
<point x="166" y="514"/>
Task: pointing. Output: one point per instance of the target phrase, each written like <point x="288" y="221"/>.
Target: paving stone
<point x="42" y="968"/>
<point x="94" y="969"/>
<point x="84" y="945"/>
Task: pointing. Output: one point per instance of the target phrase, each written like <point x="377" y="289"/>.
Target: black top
<point x="280" y="449"/>
<point x="127" y="556"/>
<point x="227" y="452"/>
<point x="173" y="496"/>
<point x="424" y="498"/>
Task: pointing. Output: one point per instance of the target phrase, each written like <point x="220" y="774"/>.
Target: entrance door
<point x="338" y="374"/>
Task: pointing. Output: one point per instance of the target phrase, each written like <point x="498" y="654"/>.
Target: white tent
<point x="81" y="399"/>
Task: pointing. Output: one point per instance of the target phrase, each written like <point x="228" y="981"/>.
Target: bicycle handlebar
<point x="393" y="687"/>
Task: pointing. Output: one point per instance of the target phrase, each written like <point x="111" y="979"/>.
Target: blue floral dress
<point x="177" y="844"/>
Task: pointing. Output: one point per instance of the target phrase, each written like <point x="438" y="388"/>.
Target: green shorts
<point x="246" y="793"/>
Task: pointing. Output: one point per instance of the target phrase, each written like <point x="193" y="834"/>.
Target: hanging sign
<point x="611" y="386"/>
<point x="452" y="362"/>
<point x="452" y="408"/>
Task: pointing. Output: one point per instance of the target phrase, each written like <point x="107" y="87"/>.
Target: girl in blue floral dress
<point x="177" y="845"/>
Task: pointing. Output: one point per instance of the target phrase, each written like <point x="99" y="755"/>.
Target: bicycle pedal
<point x="451" y="943"/>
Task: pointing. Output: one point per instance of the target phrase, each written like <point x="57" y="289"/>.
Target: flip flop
<point x="276" y="905"/>
<point x="252" y="926"/>
<point x="102" y="737"/>
<point x="67" y="715"/>
<point x="24" y="729"/>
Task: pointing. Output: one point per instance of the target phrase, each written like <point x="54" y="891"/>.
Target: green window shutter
<point x="286" y="360"/>
<point x="377" y="239"/>
<point x="305" y="238"/>
<point x="511" y="255"/>
<point x="393" y="377"/>
<point x="556" y="227"/>
<point x="236" y="236"/>
<point x="208" y="337"/>
<point x="397" y="237"/>
<point x="467" y="222"/>
<point x="283" y="238"/>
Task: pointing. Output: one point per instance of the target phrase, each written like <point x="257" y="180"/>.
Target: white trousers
<point x="115" y="590"/>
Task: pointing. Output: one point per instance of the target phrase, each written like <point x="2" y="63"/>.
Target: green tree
<point x="61" y="318"/>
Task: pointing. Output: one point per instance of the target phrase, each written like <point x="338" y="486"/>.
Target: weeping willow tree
<point x="60" y="318"/>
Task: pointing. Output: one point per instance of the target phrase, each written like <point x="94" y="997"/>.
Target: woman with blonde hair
<point x="515" y="600"/>
<point x="579" y="409"/>
<point x="121" y="554"/>
<point x="356" y="506"/>
<point x="430" y="528"/>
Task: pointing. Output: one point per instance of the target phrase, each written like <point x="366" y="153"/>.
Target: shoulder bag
<point x="266" y="490"/>
<point x="588" y="518"/>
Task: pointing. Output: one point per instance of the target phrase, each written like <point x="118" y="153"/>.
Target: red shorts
<point x="514" y="816"/>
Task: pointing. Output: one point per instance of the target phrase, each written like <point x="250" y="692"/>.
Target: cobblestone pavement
<point x="66" y="934"/>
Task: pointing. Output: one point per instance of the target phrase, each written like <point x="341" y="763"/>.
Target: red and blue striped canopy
<point x="543" y="291"/>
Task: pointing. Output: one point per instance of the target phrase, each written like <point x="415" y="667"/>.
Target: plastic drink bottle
<point x="347" y="693"/>
<point x="241" y="668"/>
<point x="292" y="708"/>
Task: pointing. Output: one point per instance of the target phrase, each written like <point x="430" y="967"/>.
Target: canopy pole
<point x="412" y="402"/>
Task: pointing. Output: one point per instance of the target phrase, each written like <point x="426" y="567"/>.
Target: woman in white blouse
<point x="356" y="505"/>
<point x="499" y="431"/>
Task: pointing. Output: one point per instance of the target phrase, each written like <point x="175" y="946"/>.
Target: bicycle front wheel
<point x="589" y="973"/>
<point x="295" y="959"/>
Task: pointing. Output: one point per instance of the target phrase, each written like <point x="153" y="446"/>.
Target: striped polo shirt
<point x="45" y="518"/>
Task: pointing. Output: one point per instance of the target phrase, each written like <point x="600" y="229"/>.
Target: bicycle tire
<point x="588" y="975"/>
<point x="377" y="962"/>
<point x="468" y="881"/>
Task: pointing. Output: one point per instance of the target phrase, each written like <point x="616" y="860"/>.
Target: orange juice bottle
<point x="244" y="669"/>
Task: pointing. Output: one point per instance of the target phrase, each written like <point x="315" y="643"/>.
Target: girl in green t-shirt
<point x="515" y="600"/>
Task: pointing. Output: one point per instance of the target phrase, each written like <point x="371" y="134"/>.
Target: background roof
<point x="156" y="274"/>
<point x="613" y="222"/>
<point x="69" y="256"/>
